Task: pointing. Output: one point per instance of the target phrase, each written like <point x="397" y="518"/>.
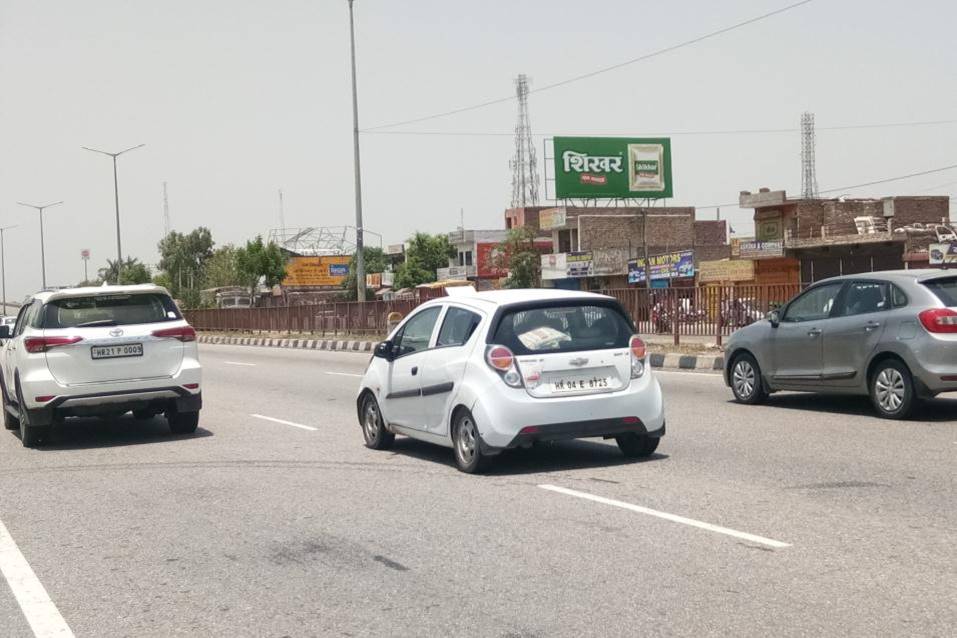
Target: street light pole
<point x="360" y="257"/>
<point x="43" y="257"/>
<point x="3" y="268"/>
<point x="116" y="197"/>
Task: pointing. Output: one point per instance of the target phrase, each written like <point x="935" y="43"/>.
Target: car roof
<point x="899" y="276"/>
<point x="46" y="296"/>
<point x="493" y="299"/>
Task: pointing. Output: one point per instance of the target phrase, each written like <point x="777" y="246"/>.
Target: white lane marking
<point x="669" y="517"/>
<point x="716" y="374"/>
<point x="44" y="618"/>
<point x="295" y="425"/>
<point x="344" y="374"/>
<point x="238" y="363"/>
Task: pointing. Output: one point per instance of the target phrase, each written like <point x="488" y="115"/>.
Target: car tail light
<point x="501" y="359"/>
<point x="191" y="386"/>
<point x="939" y="320"/>
<point x="183" y="333"/>
<point x="638" y="351"/>
<point x="35" y="345"/>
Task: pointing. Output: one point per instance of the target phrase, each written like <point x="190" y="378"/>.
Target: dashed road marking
<point x="238" y="363"/>
<point x="344" y="374"/>
<point x="284" y="422"/>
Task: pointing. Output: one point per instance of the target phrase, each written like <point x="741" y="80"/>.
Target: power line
<point x="600" y="71"/>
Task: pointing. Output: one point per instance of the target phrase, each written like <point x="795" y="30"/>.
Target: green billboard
<point x="612" y="167"/>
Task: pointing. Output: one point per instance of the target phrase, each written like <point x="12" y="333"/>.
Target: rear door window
<point x="457" y="327"/>
<point x="109" y="310"/>
<point x="865" y="297"/>
<point x="564" y="328"/>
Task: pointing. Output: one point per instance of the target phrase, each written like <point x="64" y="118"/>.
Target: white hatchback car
<point x="99" y="352"/>
<point x="484" y="372"/>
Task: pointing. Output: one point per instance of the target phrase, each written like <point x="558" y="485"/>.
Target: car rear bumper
<point x="161" y="399"/>
<point x="606" y="428"/>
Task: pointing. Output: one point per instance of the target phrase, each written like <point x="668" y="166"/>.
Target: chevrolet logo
<point x="579" y="362"/>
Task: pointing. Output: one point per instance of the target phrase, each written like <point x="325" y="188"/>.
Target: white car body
<point x="142" y="357"/>
<point x="420" y="393"/>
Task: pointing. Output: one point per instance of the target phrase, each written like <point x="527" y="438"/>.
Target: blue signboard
<point x="339" y="270"/>
<point x="663" y="267"/>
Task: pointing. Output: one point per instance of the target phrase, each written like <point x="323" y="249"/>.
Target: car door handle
<point x="871" y="325"/>
<point x="814" y="332"/>
<point x="415" y="370"/>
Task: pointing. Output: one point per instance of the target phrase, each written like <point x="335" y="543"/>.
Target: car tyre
<point x="636" y="446"/>
<point x="30" y="435"/>
<point x="467" y="444"/>
<point x="747" y="385"/>
<point x="892" y="389"/>
<point x="182" y="422"/>
<point x="10" y="422"/>
<point x="376" y="436"/>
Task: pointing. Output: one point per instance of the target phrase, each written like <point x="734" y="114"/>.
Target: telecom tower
<point x="166" y="224"/>
<point x="524" y="165"/>
<point x="808" y="168"/>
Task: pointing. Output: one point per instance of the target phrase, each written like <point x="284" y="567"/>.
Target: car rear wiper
<point x="98" y="322"/>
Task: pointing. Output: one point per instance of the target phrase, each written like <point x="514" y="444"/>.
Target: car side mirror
<point x="774" y="317"/>
<point x="384" y="350"/>
<point x="5" y="331"/>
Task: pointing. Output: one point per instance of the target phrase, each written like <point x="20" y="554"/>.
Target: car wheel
<point x="182" y="422"/>
<point x="10" y="422"/>
<point x="746" y="383"/>
<point x="373" y="426"/>
<point x="30" y="435"/>
<point x="635" y="446"/>
<point x="892" y="389"/>
<point x="466" y="444"/>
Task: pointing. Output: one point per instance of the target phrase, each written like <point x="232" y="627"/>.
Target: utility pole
<point x="360" y="257"/>
<point x="282" y="214"/>
<point x="43" y="258"/>
<point x="3" y="267"/>
<point x="166" y="224"/>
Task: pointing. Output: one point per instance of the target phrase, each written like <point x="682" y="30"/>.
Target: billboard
<point x="329" y="271"/>
<point x="667" y="266"/>
<point x="612" y="167"/>
<point x="552" y="218"/>
<point x="726" y="270"/>
<point x="759" y="249"/>
<point x="488" y="256"/>
<point x="942" y="254"/>
<point x="567" y="265"/>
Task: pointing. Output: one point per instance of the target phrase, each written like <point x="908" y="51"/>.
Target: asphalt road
<point x="257" y="527"/>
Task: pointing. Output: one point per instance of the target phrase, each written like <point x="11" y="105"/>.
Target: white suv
<point x="484" y="372"/>
<point x="99" y="352"/>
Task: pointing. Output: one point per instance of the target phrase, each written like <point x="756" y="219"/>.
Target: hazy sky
<point x="238" y="98"/>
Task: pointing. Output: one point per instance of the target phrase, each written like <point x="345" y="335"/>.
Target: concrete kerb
<point x="706" y="363"/>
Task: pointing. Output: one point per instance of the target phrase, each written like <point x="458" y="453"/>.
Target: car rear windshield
<point x="944" y="289"/>
<point x="109" y="310"/>
<point x="564" y="328"/>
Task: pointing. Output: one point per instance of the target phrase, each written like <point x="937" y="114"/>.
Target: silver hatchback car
<point x="891" y="335"/>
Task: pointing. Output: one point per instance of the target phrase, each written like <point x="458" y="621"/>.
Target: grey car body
<point x="841" y="334"/>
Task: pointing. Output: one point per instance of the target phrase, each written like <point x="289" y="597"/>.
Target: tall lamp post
<point x="116" y="196"/>
<point x="3" y="267"/>
<point x="43" y="257"/>
<point x="360" y="258"/>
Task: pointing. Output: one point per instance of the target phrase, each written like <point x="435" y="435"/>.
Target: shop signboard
<point x="760" y="249"/>
<point x="567" y="265"/>
<point x="941" y="254"/>
<point x="612" y="167"/>
<point x="325" y="271"/>
<point x="490" y="258"/>
<point x="608" y="262"/>
<point x="452" y="273"/>
<point x="667" y="266"/>
<point x="551" y="218"/>
<point x="725" y="270"/>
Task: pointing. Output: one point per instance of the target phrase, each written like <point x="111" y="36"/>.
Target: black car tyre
<point x="30" y="435"/>
<point x="182" y="422"/>
<point x="467" y="444"/>
<point x="892" y="389"/>
<point x="10" y="422"/>
<point x="636" y="446"/>
<point x="746" y="382"/>
<point x="376" y="436"/>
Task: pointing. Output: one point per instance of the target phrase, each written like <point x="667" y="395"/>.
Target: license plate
<point x="114" y="352"/>
<point x="582" y="384"/>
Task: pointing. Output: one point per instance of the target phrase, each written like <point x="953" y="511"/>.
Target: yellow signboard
<point x="328" y="271"/>
<point x="725" y="270"/>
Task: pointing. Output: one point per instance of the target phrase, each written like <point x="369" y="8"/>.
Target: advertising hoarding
<point x="552" y="218"/>
<point x="725" y="270"/>
<point x="489" y="258"/>
<point x="328" y="271"/>
<point x="667" y="266"/>
<point x="567" y="265"/>
<point x="759" y="249"/>
<point x="942" y="254"/>
<point x="612" y="167"/>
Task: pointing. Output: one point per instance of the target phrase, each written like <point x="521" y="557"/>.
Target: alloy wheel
<point x="890" y="389"/>
<point x="466" y="440"/>
<point x="742" y="378"/>
<point x="370" y="421"/>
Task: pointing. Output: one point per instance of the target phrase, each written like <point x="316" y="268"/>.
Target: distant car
<point x="891" y="335"/>
<point x="98" y="352"/>
<point x="485" y="372"/>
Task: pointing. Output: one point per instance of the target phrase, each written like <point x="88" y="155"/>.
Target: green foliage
<point x="426" y="253"/>
<point x="132" y="272"/>
<point x="518" y="255"/>
<point x="260" y="261"/>
<point x="222" y="268"/>
<point x="375" y="260"/>
<point x="183" y="258"/>
<point x="162" y="279"/>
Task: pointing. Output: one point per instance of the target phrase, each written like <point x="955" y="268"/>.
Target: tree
<point x="425" y="255"/>
<point x="184" y="257"/>
<point x="133" y="272"/>
<point x="375" y="260"/>
<point x="521" y="258"/>
<point x="222" y="268"/>
<point x="258" y="261"/>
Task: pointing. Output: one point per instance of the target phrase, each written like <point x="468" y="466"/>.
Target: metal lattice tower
<point x="808" y="167"/>
<point x="524" y="164"/>
<point x="166" y="224"/>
